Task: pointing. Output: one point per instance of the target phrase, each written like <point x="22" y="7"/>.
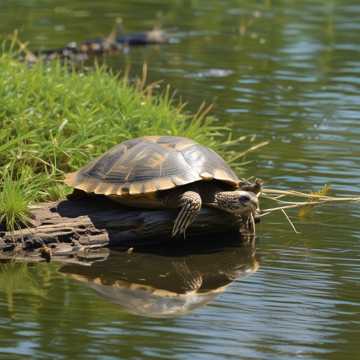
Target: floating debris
<point x="115" y="42"/>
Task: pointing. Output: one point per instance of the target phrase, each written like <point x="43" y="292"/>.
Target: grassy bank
<point x="53" y="120"/>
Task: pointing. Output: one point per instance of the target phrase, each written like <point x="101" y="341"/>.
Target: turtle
<point x="168" y="172"/>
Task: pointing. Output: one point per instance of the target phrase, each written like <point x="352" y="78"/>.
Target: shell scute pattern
<point x="209" y="164"/>
<point x="151" y="163"/>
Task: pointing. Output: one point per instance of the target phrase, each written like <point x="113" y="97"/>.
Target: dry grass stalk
<point x="291" y="199"/>
<point x="288" y="199"/>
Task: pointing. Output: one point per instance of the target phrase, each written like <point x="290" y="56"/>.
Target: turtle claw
<point x="174" y="231"/>
<point x="180" y="232"/>
<point x="191" y="205"/>
<point x="179" y="229"/>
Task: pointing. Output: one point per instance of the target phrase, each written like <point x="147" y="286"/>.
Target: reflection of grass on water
<point x="54" y="120"/>
<point x="16" y="278"/>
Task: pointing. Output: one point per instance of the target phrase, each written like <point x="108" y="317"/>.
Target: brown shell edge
<point x="96" y="186"/>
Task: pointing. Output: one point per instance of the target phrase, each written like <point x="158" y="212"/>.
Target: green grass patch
<point x="14" y="200"/>
<point x="54" y="120"/>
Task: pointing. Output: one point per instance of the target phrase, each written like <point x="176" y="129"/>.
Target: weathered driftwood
<point x="74" y="228"/>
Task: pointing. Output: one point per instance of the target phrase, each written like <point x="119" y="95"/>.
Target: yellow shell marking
<point x="149" y="186"/>
<point x="136" y="188"/>
<point x="220" y="174"/>
<point x="206" y="176"/>
<point x="153" y="139"/>
<point x="164" y="183"/>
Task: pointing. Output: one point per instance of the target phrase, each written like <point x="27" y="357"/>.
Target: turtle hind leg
<point x="190" y="205"/>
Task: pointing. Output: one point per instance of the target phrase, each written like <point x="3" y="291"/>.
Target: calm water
<point x="286" y="70"/>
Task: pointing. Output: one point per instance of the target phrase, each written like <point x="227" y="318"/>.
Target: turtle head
<point x="238" y="202"/>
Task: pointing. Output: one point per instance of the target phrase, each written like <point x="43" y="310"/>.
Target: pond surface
<point x="288" y="71"/>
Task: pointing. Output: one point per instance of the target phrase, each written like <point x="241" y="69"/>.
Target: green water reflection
<point x="285" y="70"/>
<point x="47" y="303"/>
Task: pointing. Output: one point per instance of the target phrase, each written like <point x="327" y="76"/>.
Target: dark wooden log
<point x="74" y="229"/>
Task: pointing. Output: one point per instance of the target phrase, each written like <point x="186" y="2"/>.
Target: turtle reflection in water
<point x="169" y="172"/>
<point x="165" y="284"/>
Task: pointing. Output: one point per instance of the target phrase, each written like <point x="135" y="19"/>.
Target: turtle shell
<point x="148" y="164"/>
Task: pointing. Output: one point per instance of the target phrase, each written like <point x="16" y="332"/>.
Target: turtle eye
<point x="244" y="199"/>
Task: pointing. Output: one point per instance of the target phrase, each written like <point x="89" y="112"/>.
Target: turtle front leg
<point x="190" y="205"/>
